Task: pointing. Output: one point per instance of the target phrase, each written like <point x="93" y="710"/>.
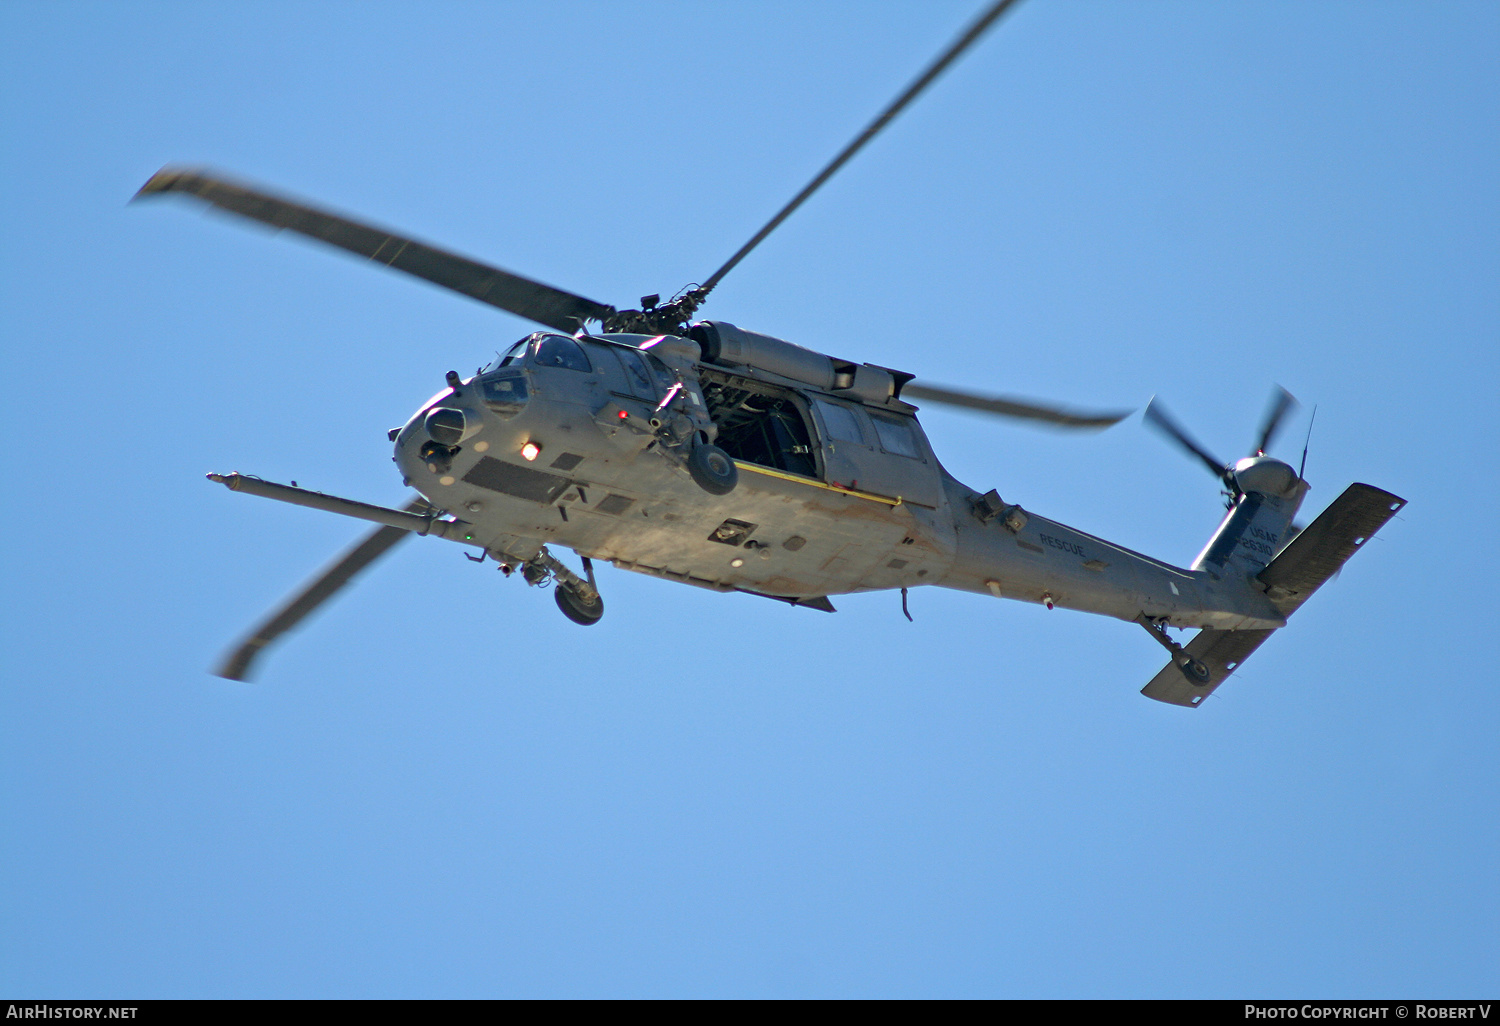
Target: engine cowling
<point x="725" y="344"/>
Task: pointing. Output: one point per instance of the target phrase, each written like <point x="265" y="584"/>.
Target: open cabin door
<point x="818" y="437"/>
<point x="766" y="425"/>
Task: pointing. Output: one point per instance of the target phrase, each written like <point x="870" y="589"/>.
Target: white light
<point x="531" y="451"/>
<point x="736" y="563"/>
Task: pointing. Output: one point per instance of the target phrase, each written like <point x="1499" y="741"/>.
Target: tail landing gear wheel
<point x="713" y="469"/>
<point x="576" y="609"/>
<point x="1196" y="672"/>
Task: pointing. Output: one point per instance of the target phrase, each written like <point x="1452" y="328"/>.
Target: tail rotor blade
<point x="1282" y="402"/>
<point x="1157" y="416"/>
<point x="239" y="661"/>
<point x="1003" y="407"/>
<point x="521" y="296"/>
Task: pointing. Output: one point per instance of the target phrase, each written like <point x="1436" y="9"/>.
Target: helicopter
<point x="704" y="453"/>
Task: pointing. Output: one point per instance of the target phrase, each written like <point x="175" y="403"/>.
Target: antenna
<point x="1306" y="443"/>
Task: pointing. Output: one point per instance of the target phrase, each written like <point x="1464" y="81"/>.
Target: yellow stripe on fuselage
<point x="756" y="468"/>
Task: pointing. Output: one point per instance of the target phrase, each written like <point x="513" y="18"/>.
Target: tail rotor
<point x="1282" y="403"/>
<point x="1157" y="417"/>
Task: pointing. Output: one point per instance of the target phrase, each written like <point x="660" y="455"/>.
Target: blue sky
<point x="440" y="787"/>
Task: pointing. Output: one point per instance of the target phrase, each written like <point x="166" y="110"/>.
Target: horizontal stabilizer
<point x="1300" y="569"/>
<point x="1220" y="651"/>
<point x="1318" y="552"/>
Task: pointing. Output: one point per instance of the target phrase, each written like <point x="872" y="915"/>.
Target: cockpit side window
<point x="636" y="373"/>
<point x="560" y="351"/>
<point x="515" y="354"/>
<point x="665" y="379"/>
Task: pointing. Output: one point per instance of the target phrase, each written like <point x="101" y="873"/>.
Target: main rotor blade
<point x="1055" y="415"/>
<point x="1158" y="417"/>
<point x="521" y="296"/>
<point x="885" y="117"/>
<point x="238" y="662"/>
<point x="1281" y="402"/>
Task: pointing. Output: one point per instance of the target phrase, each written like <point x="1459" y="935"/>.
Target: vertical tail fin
<point x="1256" y="525"/>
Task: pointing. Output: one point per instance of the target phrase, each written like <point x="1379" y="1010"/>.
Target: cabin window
<point x="560" y="351"/>
<point x="897" y="437"/>
<point x="842" y="423"/>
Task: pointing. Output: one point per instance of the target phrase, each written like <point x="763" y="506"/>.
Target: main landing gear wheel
<point x="713" y="469"/>
<point x="576" y="609"/>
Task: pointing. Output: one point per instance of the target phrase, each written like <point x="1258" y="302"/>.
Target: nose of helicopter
<point x="433" y="435"/>
<point x="467" y="416"/>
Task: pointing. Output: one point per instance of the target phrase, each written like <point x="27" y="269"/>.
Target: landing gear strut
<point x="576" y="597"/>
<point x="1196" y="672"/>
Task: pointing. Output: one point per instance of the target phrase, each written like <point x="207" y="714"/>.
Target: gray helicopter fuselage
<point x="735" y="461"/>
<point x="568" y="443"/>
